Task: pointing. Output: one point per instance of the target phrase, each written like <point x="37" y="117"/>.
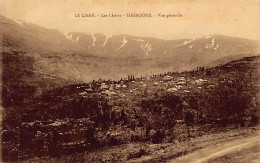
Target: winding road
<point x="241" y="150"/>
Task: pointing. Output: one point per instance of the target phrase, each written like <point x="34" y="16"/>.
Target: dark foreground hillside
<point x="157" y="108"/>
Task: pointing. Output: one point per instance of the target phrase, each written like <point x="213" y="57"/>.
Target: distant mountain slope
<point x="80" y="57"/>
<point x="29" y="37"/>
<point x="132" y="46"/>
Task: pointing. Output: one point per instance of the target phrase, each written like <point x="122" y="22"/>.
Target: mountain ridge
<point x="122" y="45"/>
<point x="80" y="57"/>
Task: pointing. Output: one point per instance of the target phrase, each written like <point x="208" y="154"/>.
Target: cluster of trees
<point x="200" y="68"/>
<point x="15" y="91"/>
<point x="234" y="101"/>
<point x="160" y="114"/>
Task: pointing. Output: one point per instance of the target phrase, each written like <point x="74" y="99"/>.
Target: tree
<point x="232" y="99"/>
<point x="189" y="120"/>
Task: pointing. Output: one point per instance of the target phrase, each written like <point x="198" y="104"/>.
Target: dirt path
<point x="219" y="150"/>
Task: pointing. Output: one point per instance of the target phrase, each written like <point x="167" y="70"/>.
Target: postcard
<point x="130" y="81"/>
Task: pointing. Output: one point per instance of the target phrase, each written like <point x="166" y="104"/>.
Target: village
<point x="176" y="83"/>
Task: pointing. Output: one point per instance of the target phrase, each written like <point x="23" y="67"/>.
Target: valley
<point x="85" y="57"/>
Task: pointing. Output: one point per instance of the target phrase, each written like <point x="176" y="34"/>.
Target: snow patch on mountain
<point x="20" y="22"/>
<point x="139" y="40"/>
<point x="105" y="42"/>
<point x="213" y="41"/>
<point x="124" y="41"/>
<point x="77" y="38"/>
<point x="212" y="45"/>
<point x="185" y="43"/>
<point x="209" y="36"/>
<point x="147" y="48"/>
<point x="69" y="36"/>
<point x="93" y="39"/>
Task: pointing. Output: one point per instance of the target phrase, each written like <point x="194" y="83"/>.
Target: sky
<point x="240" y="18"/>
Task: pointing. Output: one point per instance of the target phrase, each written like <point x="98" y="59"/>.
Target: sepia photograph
<point x="130" y="81"/>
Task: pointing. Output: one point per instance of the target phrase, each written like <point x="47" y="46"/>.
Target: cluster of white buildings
<point x="169" y="83"/>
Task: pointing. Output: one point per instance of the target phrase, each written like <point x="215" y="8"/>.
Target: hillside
<point x="213" y="46"/>
<point x="81" y="57"/>
<point x="23" y="36"/>
<point x="157" y="108"/>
